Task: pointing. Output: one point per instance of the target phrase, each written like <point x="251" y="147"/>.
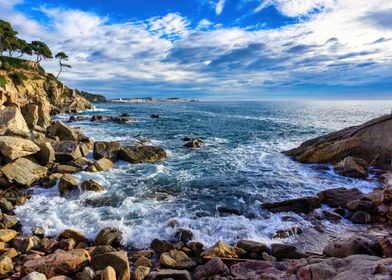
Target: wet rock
<point x="46" y="154"/>
<point x="340" y="211"/>
<point x="92" y="185"/>
<point x="298" y="205"/>
<point x="228" y="211"/>
<point x="170" y="274"/>
<point x="196" y="247"/>
<point x="361" y="217"/>
<point x="331" y="216"/>
<point x="62" y="131"/>
<point x="9" y="221"/>
<point x="140" y="273"/>
<point x="252" y="246"/>
<point x="196" y="143"/>
<point x="67" y="169"/>
<point x="24" y="172"/>
<point x="13" y="148"/>
<point x="142" y="154"/>
<point x="285" y="251"/>
<point x="68" y="184"/>
<point x="361" y="205"/>
<point x="221" y="249"/>
<point x="107" y="150"/>
<point x="49" y="245"/>
<point x="67" y="151"/>
<point x="77" y="118"/>
<point x="386" y="246"/>
<point x="109" y="236"/>
<point x="7" y="235"/>
<point x="184" y="235"/>
<point x="285" y="233"/>
<point x="154" y="116"/>
<point x="86" y="274"/>
<point x="176" y="259"/>
<point x="67" y="244"/>
<point x="103" y="118"/>
<point x="73" y="234"/>
<point x="161" y="246"/>
<point x="58" y="263"/>
<point x="339" y="197"/>
<point x="103" y="164"/>
<point x="25" y="244"/>
<point x="351" y="246"/>
<point x="34" y="276"/>
<point x="213" y="267"/>
<point x="6" y="266"/>
<point x="38" y="231"/>
<point x="117" y="260"/>
<point x="6" y="205"/>
<point x="352" y="167"/>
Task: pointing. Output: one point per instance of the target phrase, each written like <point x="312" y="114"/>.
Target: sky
<point x="216" y="49"/>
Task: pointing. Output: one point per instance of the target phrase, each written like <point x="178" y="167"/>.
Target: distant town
<point x="151" y="99"/>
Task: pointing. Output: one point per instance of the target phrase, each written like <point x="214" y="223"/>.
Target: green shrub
<point x="3" y="82"/>
<point x="18" y="78"/>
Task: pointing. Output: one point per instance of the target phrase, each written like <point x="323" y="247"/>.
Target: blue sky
<point x="216" y="49"/>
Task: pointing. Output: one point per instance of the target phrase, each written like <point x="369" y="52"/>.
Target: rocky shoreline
<point x="38" y="151"/>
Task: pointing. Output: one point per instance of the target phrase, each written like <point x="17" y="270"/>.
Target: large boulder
<point x="352" y="167"/>
<point x="339" y="197"/>
<point x="107" y="150"/>
<point x="108" y="236"/>
<point x="11" y="117"/>
<point x="176" y="259"/>
<point x="24" y="172"/>
<point x="298" y="205"/>
<point x="117" y="260"/>
<point x="6" y="266"/>
<point x="46" y="153"/>
<point x="352" y="246"/>
<point x="31" y="114"/>
<point x="62" y="131"/>
<point x="67" y="151"/>
<point x="221" y="249"/>
<point x="142" y="154"/>
<point x="253" y="270"/>
<point x="371" y="142"/>
<point x="68" y="184"/>
<point x="213" y="267"/>
<point x="58" y="263"/>
<point x="13" y="147"/>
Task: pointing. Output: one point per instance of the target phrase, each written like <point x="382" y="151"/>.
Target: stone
<point x="351" y="246"/>
<point x="17" y="133"/>
<point x="339" y="197"/>
<point x="117" y="260"/>
<point x="86" y="274"/>
<point x="142" y="154"/>
<point x="285" y="251"/>
<point x="68" y="184"/>
<point x="13" y="148"/>
<point x="143" y="261"/>
<point x="24" y="172"/>
<point x="257" y="270"/>
<point x="108" y="273"/>
<point x="221" y="249"/>
<point x="92" y="185"/>
<point x="154" y="116"/>
<point x="50" y="180"/>
<point x="11" y="117"/>
<point x="84" y="149"/>
<point x="166" y="274"/>
<point x="103" y="164"/>
<point x="24" y="244"/>
<point x="34" y="276"/>
<point x="161" y="246"/>
<point x="184" y="235"/>
<point x="297" y="205"/>
<point x="46" y="153"/>
<point x="62" y="131"/>
<point x="228" y="211"/>
<point x="107" y="150"/>
<point x="176" y="259"/>
<point x="6" y="235"/>
<point x="73" y="234"/>
<point x="67" y="151"/>
<point x="38" y="231"/>
<point x="6" y="266"/>
<point x="9" y="221"/>
<point x="99" y="250"/>
<point x="67" y="169"/>
<point x="58" y="263"/>
<point x="285" y="233"/>
<point x="67" y="244"/>
<point x="196" y="143"/>
<point x="31" y="114"/>
<point x="108" y="236"/>
<point x="352" y="167"/>
<point x="6" y="205"/>
<point x="252" y="246"/>
<point x="49" y="245"/>
<point x="331" y="216"/>
<point x="196" y="247"/>
<point x="361" y="205"/>
<point x="371" y="141"/>
<point x="140" y="273"/>
<point x="213" y="267"/>
<point x="361" y="217"/>
<point x="11" y="253"/>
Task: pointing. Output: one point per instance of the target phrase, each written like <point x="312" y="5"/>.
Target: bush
<point x="18" y="78"/>
<point x="3" y="82"/>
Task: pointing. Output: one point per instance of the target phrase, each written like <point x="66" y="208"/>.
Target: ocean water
<point x="240" y="166"/>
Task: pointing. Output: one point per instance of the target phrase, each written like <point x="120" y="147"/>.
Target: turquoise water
<point x="240" y="166"/>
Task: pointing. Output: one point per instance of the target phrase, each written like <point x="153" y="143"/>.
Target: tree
<point x="62" y="56"/>
<point x="7" y="36"/>
<point x="41" y="50"/>
<point x="24" y="47"/>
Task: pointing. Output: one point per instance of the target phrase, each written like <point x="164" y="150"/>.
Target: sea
<point x="240" y="166"/>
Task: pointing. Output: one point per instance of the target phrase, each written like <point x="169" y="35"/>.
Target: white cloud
<point x="295" y="8"/>
<point x="219" y="7"/>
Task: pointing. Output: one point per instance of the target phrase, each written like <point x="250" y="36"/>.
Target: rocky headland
<point x="38" y="151"/>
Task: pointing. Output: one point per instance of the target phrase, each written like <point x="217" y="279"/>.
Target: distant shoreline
<point x="152" y="100"/>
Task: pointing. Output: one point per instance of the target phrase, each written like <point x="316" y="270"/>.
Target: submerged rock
<point x="68" y="184"/>
<point x="107" y="150"/>
<point x="92" y="185"/>
<point x="352" y="167"/>
<point x="196" y="143"/>
<point x="298" y="205"/>
<point x="142" y="154"/>
<point x="339" y="197"/>
<point x="109" y="236"/>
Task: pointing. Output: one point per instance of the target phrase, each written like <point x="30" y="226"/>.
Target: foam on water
<point x="240" y="166"/>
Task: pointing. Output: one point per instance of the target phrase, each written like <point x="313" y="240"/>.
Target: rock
<point x="117" y="260"/>
<point x="12" y="118"/>
<point x="114" y="119"/>
<point x="252" y="246"/>
<point x="154" y="116"/>
<point x="24" y="172"/>
<point x="11" y="253"/>
<point x="86" y="274"/>
<point x="58" y="263"/>
<point x="34" y="276"/>
<point x="31" y="114"/>
<point x="167" y="274"/>
<point x="142" y="154"/>
<point x="108" y="273"/>
<point x="285" y="233"/>
<point x="228" y="211"/>
<point x="46" y="153"/>
<point x="351" y="246"/>
<point x="6" y="266"/>
<point x="6" y="205"/>
<point x="68" y="184"/>
<point x="361" y="205"/>
<point x="352" y="167"/>
<point x="331" y="216"/>
<point x="371" y="142"/>
<point x="49" y="245"/>
<point x="195" y="143"/>
<point x="73" y="234"/>
<point x="140" y="273"/>
<point x="77" y="118"/>
<point x="196" y="247"/>
<point x="221" y="249"/>
<point x="109" y="236"/>
<point x="161" y="246"/>
<point x="257" y="270"/>
<point x="60" y="277"/>
<point x="361" y="217"/>
<point x="143" y="253"/>
<point x="386" y="246"/>
<point x="143" y="261"/>
<point x="107" y="150"/>
<point x="24" y="244"/>
<point x="339" y="197"/>
<point x="213" y="267"/>
<point x="9" y="221"/>
<point x="17" y="133"/>
<point x="176" y="259"/>
<point x="298" y="205"/>
<point x="285" y="251"/>
<point x="99" y="250"/>
<point x="7" y="235"/>
<point x="51" y="180"/>
<point x="67" y="244"/>
<point x="38" y="231"/>
<point x="62" y="131"/>
<point x="13" y="147"/>
<point x="103" y="164"/>
<point x="92" y="185"/>
<point x="67" y="169"/>
<point x="67" y="151"/>
<point x="184" y="235"/>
